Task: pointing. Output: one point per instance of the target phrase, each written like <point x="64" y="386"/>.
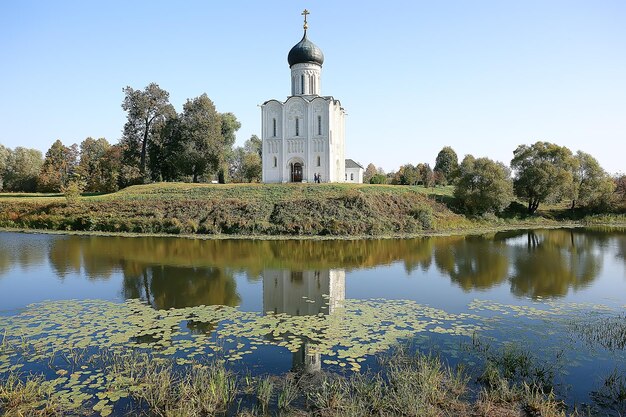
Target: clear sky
<point x="482" y="76"/>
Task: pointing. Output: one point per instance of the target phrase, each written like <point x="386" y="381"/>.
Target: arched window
<point x="274" y="127"/>
<point x="302" y="84"/>
<point x="319" y="161"/>
<point x="275" y="162"/>
<point x="346" y="176"/>
<point x="351" y="177"/>
<point x="297" y="127"/>
<point x="319" y="125"/>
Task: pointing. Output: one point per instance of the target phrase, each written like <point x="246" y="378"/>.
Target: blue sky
<point x="481" y="76"/>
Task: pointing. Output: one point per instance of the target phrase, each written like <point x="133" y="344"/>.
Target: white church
<point x="304" y="137"/>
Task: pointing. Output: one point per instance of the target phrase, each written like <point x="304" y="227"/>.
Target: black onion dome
<point x="305" y="51"/>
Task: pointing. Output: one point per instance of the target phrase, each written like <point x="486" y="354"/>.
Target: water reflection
<point x="167" y="287"/>
<point x="552" y="262"/>
<point x="174" y="272"/>
<point x="473" y="262"/>
<point x="304" y="293"/>
<point x="26" y="252"/>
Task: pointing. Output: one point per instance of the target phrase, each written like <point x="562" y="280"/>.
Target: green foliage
<point x="22" y="168"/>
<point x="99" y="165"/>
<point x="60" y="162"/>
<point x="244" y="164"/>
<point x="252" y="169"/>
<point x="406" y="175"/>
<point x="73" y="190"/>
<point x="229" y="125"/>
<point x="593" y="187"/>
<point x="254" y="145"/>
<point x="446" y="164"/>
<point x="5" y="153"/>
<point x="425" y="175"/>
<point x="543" y="173"/>
<point x="147" y="112"/>
<point x="200" y="138"/>
<point x="483" y="186"/>
<point x="369" y="173"/>
<point x="378" y="179"/>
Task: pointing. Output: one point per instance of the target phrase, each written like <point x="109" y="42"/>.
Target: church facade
<point x="304" y="136"/>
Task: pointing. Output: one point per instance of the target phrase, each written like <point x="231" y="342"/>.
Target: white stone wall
<point x="319" y="119"/>
<point x="305" y="79"/>
<point x="354" y="175"/>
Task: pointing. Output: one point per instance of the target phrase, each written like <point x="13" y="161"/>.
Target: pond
<point x="274" y="306"/>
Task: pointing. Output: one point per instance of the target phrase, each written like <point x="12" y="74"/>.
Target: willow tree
<point x="543" y="173"/>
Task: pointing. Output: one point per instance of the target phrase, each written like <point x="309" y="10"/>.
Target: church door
<point x="296" y="172"/>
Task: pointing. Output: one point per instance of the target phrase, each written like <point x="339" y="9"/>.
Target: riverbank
<point x="317" y="211"/>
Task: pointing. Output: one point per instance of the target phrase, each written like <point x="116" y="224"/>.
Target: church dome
<point x="305" y="51"/>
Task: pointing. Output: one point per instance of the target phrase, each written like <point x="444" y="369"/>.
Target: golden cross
<point x="305" y="13"/>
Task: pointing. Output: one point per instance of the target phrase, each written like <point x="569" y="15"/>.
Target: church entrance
<point x="296" y="172"/>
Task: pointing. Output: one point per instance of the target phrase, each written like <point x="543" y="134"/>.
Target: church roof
<point x="305" y="51"/>
<point x="351" y="164"/>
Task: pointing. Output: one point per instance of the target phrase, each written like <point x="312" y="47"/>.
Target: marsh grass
<point x="612" y="394"/>
<point x="27" y="397"/>
<point x="607" y="332"/>
<point x="264" y="392"/>
<point x="410" y="384"/>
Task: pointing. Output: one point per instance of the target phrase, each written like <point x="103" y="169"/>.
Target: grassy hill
<point x="241" y="209"/>
<point x="346" y="210"/>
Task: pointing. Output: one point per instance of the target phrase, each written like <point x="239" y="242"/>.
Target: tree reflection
<point x="551" y="262"/>
<point x="167" y="287"/>
<point x="541" y="263"/>
<point x="473" y="262"/>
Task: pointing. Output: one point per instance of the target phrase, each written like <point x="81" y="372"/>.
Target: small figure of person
<point x="315" y="177"/>
<point x="319" y="178"/>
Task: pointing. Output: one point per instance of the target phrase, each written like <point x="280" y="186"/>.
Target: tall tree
<point x="620" y="187"/>
<point x="91" y="166"/>
<point x="425" y="175"/>
<point x="147" y="111"/>
<point x="60" y="162"/>
<point x="592" y="185"/>
<point x="483" y="185"/>
<point x="4" y="160"/>
<point x="201" y="141"/>
<point x="254" y="145"/>
<point x="23" y="166"/>
<point x="252" y="169"/>
<point x="245" y="162"/>
<point x="543" y="173"/>
<point x="406" y="175"/>
<point x="446" y="164"/>
<point x="230" y="125"/>
<point x="370" y="171"/>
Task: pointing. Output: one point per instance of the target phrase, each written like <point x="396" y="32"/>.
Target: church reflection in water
<point x="304" y="293"/>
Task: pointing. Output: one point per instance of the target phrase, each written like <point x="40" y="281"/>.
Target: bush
<point x="72" y="191"/>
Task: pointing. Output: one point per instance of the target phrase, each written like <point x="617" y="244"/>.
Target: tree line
<point x="542" y="173"/>
<point x="157" y="144"/>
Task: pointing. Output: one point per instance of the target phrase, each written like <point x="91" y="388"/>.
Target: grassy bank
<point x="259" y="210"/>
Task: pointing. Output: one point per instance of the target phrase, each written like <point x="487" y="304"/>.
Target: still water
<point x="316" y="304"/>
